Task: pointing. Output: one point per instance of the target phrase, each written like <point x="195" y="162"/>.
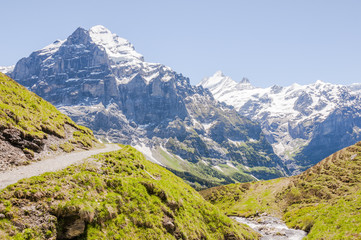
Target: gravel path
<point x="49" y="165"/>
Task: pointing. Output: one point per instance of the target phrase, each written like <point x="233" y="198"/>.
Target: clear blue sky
<point x="270" y="42"/>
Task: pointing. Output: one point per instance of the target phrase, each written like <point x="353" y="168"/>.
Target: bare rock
<point x="75" y="229"/>
<point x="168" y="224"/>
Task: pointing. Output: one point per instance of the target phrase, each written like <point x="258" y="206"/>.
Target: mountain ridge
<point x="292" y="116"/>
<point x="100" y="81"/>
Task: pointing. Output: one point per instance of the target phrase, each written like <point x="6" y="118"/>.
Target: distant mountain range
<point x="100" y="81"/>
<point x="304" y="123"/>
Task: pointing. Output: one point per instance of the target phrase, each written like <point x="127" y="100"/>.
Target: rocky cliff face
<point x="304" y="124"/>
<point x="99" y="80"/>
<point x="31" y="128"/>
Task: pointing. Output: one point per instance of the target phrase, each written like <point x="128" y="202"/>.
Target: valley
<point x="116" y="194"/>
<point x="97" y="143"/>
<point x="100" y="81"/>
<point x="323" y="201"/>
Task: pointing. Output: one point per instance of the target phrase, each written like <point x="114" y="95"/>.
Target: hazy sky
<point x="270" y="42"/>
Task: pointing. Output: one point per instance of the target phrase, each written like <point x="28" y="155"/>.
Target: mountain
<point x="116" y="195"/>
<point x="100" y="81"/>
<point x="7" y="69"/>
<point x="304" y="123"/>
<point x="324" y="200"/>
<point x="31" y="128"/>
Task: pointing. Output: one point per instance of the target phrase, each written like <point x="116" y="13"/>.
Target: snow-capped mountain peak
<point x="219" y="73"/>
<point x="217" y="82"/>
<point x="220" y="84"/>
<point x="117" y="48"/>
<point x="355" y="88"/>
<point x="51" y="48"/>
<point x="288" y="114"/>
<point x="245" y="80"/>
<point x="7" y="69"/>
<point x="244" y="84"/>
<point x="319" y="82"/>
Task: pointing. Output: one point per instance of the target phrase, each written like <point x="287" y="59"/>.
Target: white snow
<point x="232" y="166"/>
<point x="147" y="151"/>
<point x="51" y="48"/>
<point x="207" y="126"/>
<point x="151" y="77"/>
<point x="218" y="168"/>
<point x="7" y="69"/>
<point x="235" y="142"/>
<point x="218" y="82"/>
<point x="278" y="104"/>
<point x="117" y="48"/>
<point x="205" y="163"/>
<point x="254" y="177"/>
<point x="355" y="87"/>
<point x="166" y="78"/>
<point x="144" y="126"/>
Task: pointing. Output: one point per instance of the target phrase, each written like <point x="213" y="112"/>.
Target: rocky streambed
<point x="271" y="228"/>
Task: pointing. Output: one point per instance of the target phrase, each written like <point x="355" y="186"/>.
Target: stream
<point x="271" y="228"/>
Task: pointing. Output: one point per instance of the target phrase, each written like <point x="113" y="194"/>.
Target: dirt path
<point x="49" y="165"/>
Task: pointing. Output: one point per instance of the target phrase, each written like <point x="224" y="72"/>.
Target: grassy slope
<point x="120" y="195"/>
<point x="325" y="200"/>
<point x="200" y="175"/>
<point x="35" y="118"/>
<point x="250" y="153"/>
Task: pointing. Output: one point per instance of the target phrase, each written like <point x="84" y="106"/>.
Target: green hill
<point x="325" y="200"/>
<point x="31" y="128"/>
<point x="117" y="195"/>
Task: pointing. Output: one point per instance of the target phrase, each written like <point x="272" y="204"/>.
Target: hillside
<point x="325" y="200"/>
<point x="117" y="195"/>
<point x="100" y="81"/>
<point x="31" y="128"/>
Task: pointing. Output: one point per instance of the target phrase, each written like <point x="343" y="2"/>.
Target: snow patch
<point x="205" y="163"/>
<point x="232" y="166"/>
<point x="254" y="177"/>
<point x="7" y="69"/>
<point x="207" y="126"/>
<point x="235" y="142"/>
<point x="117" y="48"/>
<point x="147" y="151"/>
<point x="51" y="48"/>
<point x="218" y="168"/>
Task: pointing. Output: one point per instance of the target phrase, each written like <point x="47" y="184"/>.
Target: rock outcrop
<point x="99" y="80"/>
<point x="31" y="128"/>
